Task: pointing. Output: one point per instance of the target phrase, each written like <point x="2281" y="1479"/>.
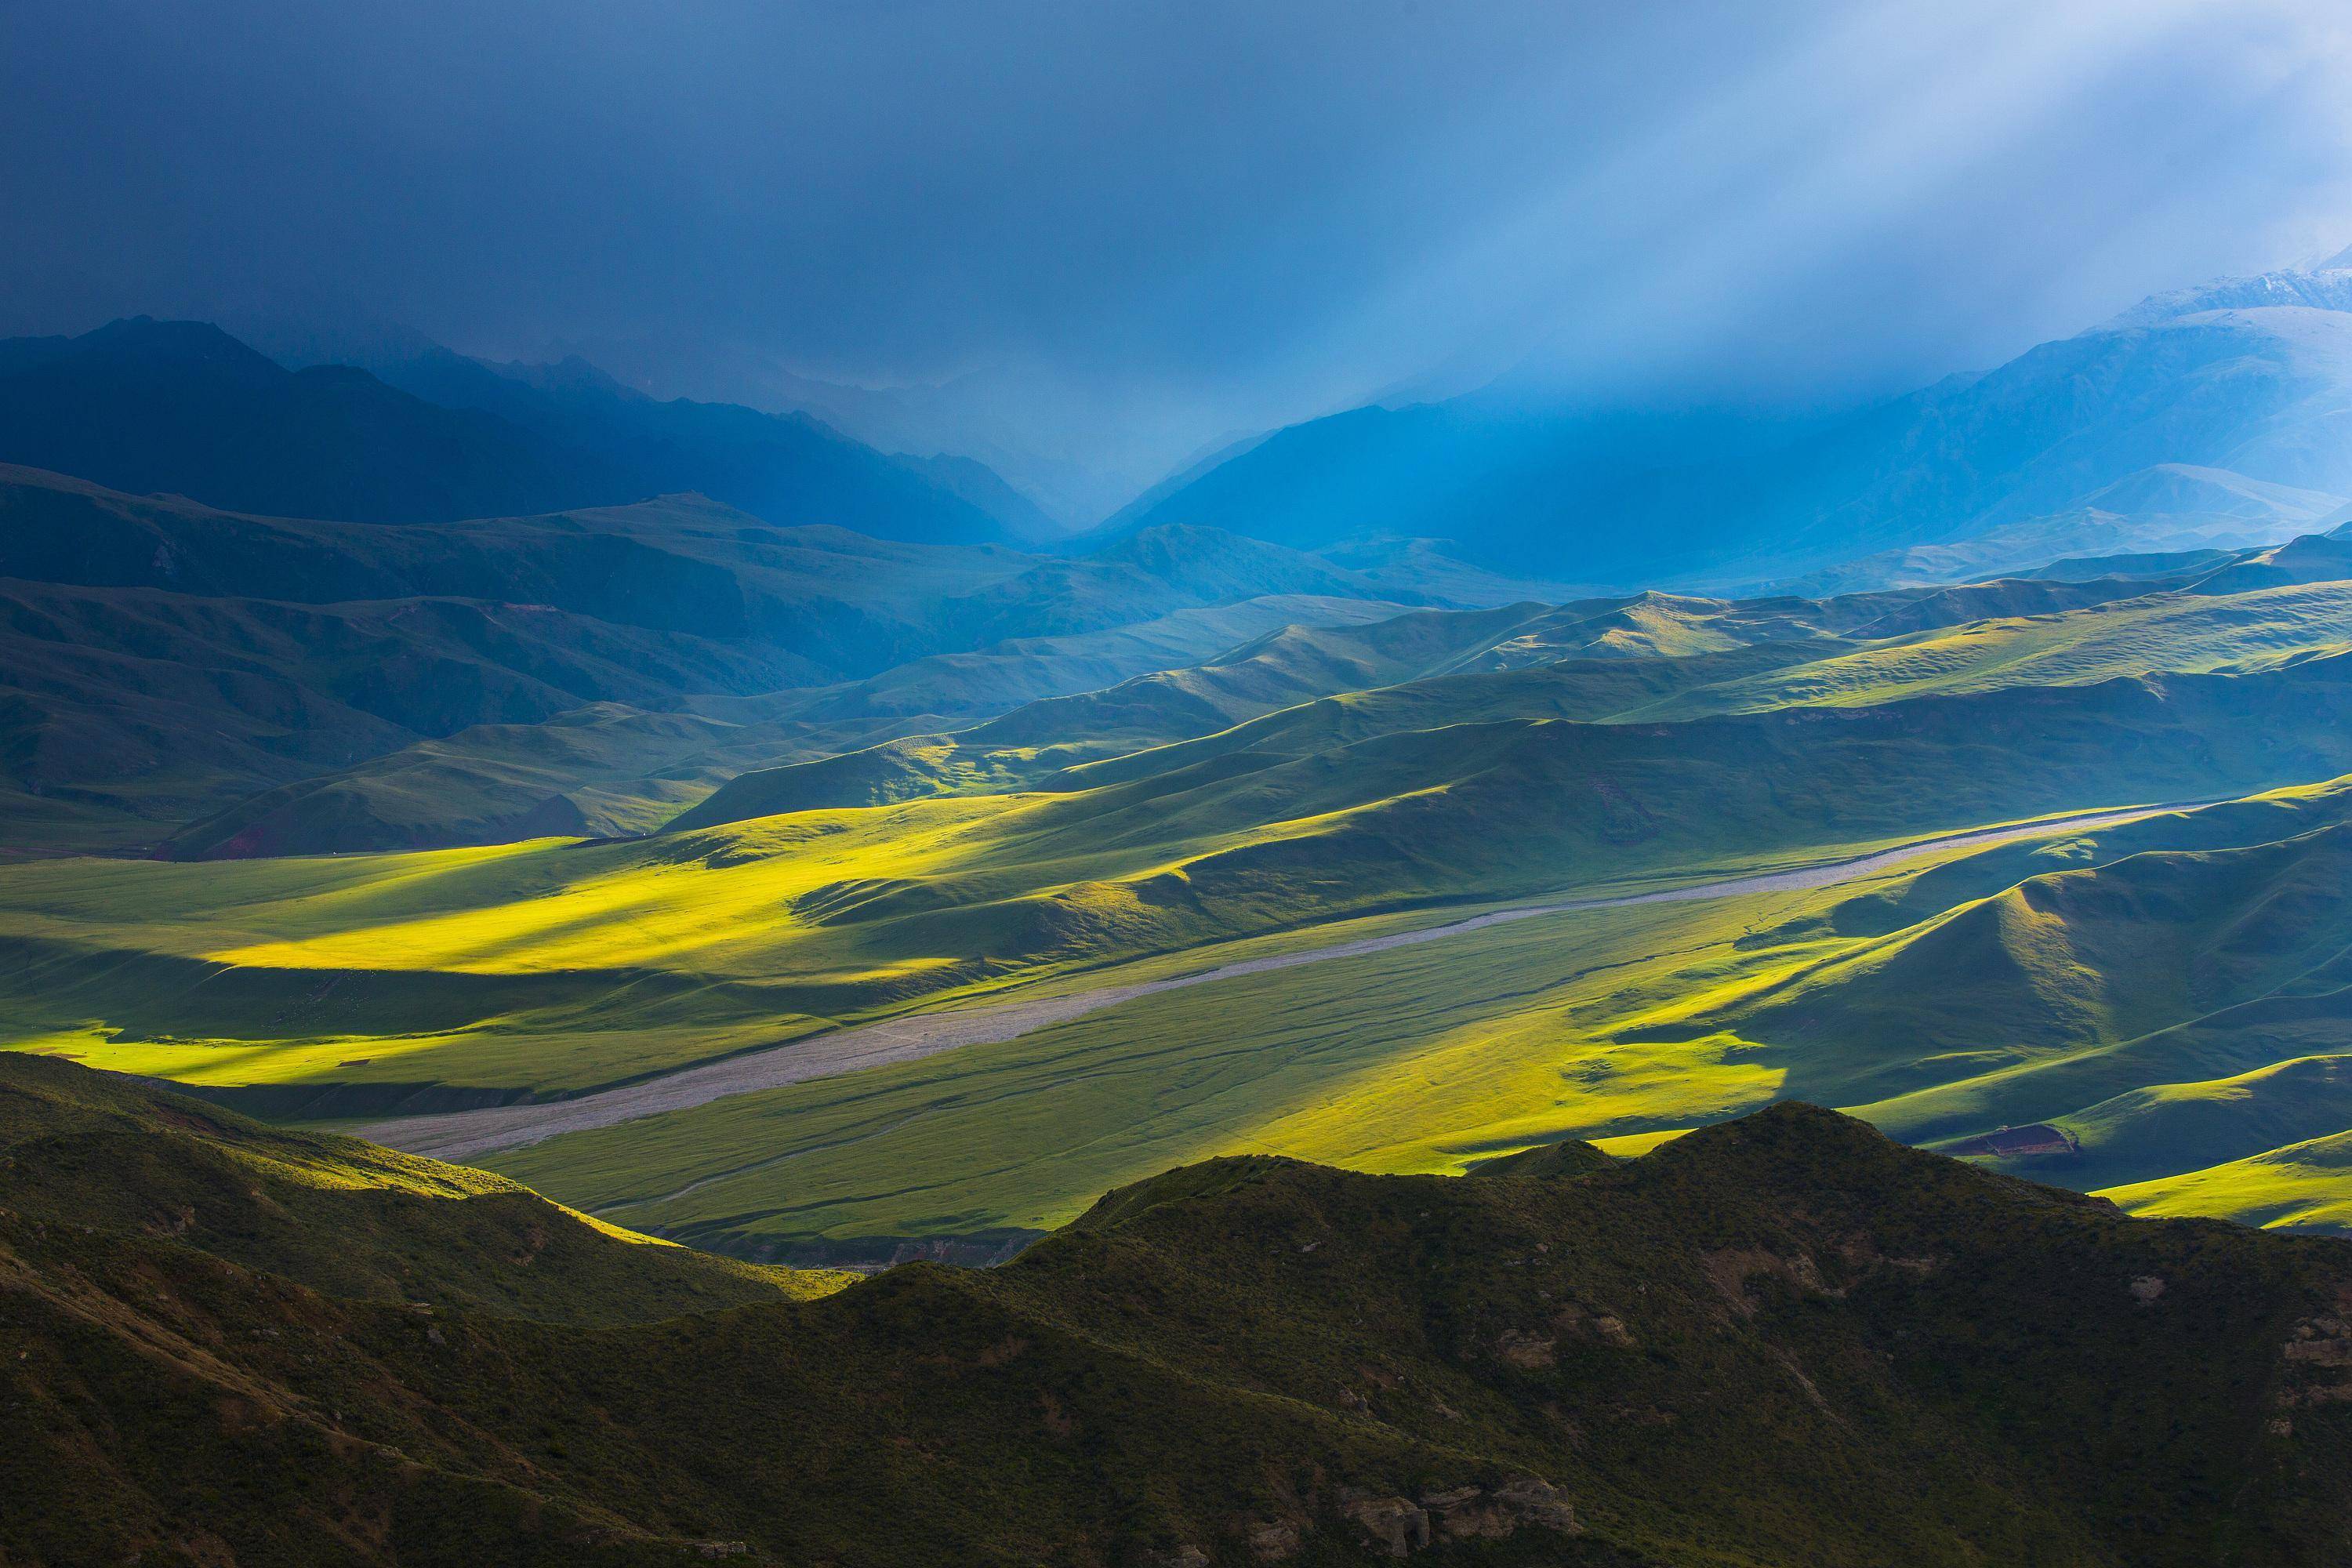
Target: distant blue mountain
<point x="182" y="407"/>
<point x="2248" y="381"/>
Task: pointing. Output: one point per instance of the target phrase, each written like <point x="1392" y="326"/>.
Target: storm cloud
<point x="1136" y="227"/>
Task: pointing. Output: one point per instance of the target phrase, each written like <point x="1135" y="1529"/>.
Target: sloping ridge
<point x="1779" y="1340"/>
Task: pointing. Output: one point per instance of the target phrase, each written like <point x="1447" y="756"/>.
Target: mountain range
<point x="2216" y="414"/>
<point x="182" y="408"/>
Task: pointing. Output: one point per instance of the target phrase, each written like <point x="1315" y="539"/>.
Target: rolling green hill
<point x="557" y="965"/>
<point x="166" y="664"/>
<point x="1783" y="1340"/>
<point x="610" y="768"/>
<point x="2299" y="1186"/>
<point x="2166" y="1005"/>
<point x="1647" y="656"/>
<point x="234" y="685"/>
<point x="1286" y="666"/>
<point x="1684" y="737"/>
<point x="1267" y="786"/>
<point x="1626" y="1023"/>
<point x="126" y="711"/>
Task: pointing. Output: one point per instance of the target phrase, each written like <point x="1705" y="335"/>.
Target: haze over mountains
<point x="182" y="407"/>
<point x="819" y="865"/>
<point x="2207" y="417"/>
<point x="2215" y="413"/>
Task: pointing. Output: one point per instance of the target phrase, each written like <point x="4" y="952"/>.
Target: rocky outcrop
<point x="1388" y="1523"/>
<point x="1730" y="1268"/>
<point x="2318" y="1356"/>
<point x="1400" y="1526"/>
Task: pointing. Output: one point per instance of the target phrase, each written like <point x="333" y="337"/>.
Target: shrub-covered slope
<point x="1784" y="1340"/>
<point x="89" y="1151"/>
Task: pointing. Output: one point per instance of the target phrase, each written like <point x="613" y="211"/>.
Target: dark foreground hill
<point x="1778" y="1341"/>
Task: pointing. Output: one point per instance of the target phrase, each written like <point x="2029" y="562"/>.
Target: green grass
<point x="1348" y="1061"/>
<point x="162" y="662"/>
<point x="611" y="768"/>
<point x="2017" y="984"/>
<point x="2166" y="1129"/>
<point x="1647" y="659"/>
<point x="552" y="964"/>
<point x="1623" y="1025"/>
<point x="2164" y="631"/>
<point x="2301" y="1185"/>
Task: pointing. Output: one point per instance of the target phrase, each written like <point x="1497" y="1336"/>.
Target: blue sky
<point x="1135" y="228"/>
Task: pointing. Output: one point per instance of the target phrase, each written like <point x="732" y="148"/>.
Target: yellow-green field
<point x="1624" y="1025"/>
<point x="1678" y="740"/>
<point x="2302" y="1185"/>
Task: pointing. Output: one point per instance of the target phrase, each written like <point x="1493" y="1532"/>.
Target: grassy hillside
<point x="1626" y="1025"/>
<point x="465" y="968"/>
<point x="1289" y="665"/>
<point x="678" y="564"/>
<point x="610" y="768"/>
<point x="1649" y="658"/>
<point x="2299" y="1186"/>
<point x="1783" y="1340"/>
<point x="1307" y="784"/>
<point x="95" y="1151"/>
<point x="169" y="665"/>
<point x="125" y="713"/>
<point x="239" y="685"/>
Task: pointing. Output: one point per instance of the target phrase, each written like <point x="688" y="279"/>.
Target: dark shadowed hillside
<point x="1784" y="1340"/>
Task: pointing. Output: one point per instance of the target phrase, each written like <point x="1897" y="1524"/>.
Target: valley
<point x="1283" y="786"/>
<point x="1623" y="1026"/>
<point x="466" y="1134"/>
<point x="936" y="986"/>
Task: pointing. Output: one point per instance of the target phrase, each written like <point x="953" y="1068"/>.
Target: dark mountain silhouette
<point x="181" y="408"/>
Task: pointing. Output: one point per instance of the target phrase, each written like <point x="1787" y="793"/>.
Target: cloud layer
<point x="1139" y="226"/>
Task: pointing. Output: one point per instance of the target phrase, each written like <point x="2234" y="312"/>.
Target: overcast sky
<point x="1145" y="225"/>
